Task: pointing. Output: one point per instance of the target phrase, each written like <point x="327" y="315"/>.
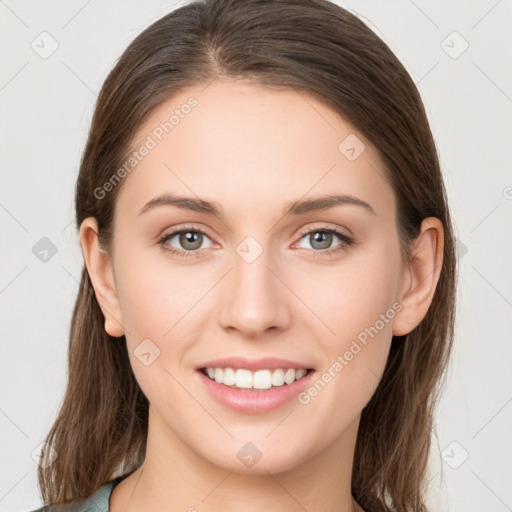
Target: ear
<point x="420" y="278"/>
<point x="100" y="271"/>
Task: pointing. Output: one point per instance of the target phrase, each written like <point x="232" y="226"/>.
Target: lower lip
<point x="251" y="401"/>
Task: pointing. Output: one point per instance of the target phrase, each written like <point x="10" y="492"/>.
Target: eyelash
<point x="346" y="241"/>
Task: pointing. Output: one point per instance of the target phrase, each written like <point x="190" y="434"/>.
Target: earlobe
<point x="421" y="277"/>
<point x="100" y="272"/>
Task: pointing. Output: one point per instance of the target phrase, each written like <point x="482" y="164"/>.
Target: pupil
<point x="323" y="238"/>
<point x="190" y="237"/>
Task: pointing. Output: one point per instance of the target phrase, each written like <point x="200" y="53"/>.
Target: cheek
<point x="153" y="294"/>
<point x="159" y="302"/>
<point x="357" y="303"/>
<point x="351" y="295"/>
<point x="154" y="312"/>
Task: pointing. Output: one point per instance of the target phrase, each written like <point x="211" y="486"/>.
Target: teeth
<point x="261" y="379"/>
<point x="229" y="377"/>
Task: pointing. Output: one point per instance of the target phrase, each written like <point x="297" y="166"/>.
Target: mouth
<point x="259" y="380"/>
<point x="254" y="386"/>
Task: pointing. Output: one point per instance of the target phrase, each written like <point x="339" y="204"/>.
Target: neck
<point x="173" y="477"/>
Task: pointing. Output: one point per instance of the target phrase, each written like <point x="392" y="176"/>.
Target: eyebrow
<point x="295" y="208"/>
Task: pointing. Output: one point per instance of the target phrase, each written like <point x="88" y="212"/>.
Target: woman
<point x="266" y="307"/>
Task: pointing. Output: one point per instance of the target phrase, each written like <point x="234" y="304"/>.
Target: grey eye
<point x="319" y="239"/>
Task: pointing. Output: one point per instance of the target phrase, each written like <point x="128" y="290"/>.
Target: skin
<point x="253" y="150"/>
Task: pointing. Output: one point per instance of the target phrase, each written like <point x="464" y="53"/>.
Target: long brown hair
<point x="310" y="46"/>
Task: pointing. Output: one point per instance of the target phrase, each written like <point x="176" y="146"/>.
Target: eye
<point x="190" y="239"/>
<point x="321" y="238"/>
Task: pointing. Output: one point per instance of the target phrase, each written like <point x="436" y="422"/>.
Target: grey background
<point x="46" y="107"/>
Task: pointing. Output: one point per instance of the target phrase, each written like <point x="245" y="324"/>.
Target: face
<point x="318" y="286"/>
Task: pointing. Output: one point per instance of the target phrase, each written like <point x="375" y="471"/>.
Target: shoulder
<point x="98" y="502"/>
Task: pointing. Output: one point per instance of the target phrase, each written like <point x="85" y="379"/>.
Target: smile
<point x="242" y="378"/>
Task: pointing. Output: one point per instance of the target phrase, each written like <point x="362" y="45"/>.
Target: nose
<point x="254" y="299"/>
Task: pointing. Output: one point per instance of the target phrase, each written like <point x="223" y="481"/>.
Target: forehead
<point x="250" y="146"/>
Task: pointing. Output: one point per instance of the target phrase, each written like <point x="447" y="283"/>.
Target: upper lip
<point x="270" y="363"/>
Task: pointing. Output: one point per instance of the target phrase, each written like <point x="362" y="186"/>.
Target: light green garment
<point x="98" y="502"/>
